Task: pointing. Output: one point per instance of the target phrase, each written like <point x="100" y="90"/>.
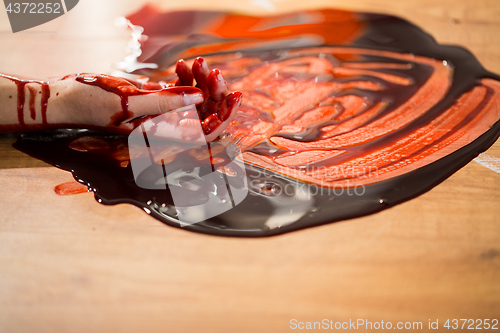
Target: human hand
<point x="131" y="100"/>
<point x="116" y="104"/>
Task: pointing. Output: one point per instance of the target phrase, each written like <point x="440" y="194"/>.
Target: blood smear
<point x="70" y="188"/>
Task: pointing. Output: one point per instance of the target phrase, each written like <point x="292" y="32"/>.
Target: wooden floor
<point x="69" y="264"/>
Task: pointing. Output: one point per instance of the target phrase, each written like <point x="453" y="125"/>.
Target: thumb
<point x="152" y="102"/>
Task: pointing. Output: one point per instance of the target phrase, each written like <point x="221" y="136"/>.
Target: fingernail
<point x="190" y="95"/>
<point x="234" y="99"/>
<point x="194" y="98"/>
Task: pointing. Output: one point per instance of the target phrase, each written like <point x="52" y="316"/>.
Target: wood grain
<point x="69" y="264"/>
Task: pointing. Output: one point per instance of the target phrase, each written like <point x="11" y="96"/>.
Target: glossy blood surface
<point x="343" y="114"/>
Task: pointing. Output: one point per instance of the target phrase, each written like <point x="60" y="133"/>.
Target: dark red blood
<point x="45" y="101"/>
<point x="32" y="102"/>
<point x="20" y="101"/>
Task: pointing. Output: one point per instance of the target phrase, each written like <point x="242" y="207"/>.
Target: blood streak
<point x="116" y="86"/>
<point x="20" y="100"/>
<point x="21" y="97"/>
<point x="33" y="93"/>
<point x="44" y="101"/>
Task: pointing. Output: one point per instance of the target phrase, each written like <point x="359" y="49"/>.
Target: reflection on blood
<point x="362" y="134"/>
<point x="342" y="115"/>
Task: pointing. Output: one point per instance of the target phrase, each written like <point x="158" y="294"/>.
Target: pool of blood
<point x="371" y="113"/>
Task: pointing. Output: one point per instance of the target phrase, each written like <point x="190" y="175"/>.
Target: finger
<point x="216" y="85"/>
<point x="163" y="101"/>
<point x="216" y="123"/>
<point x="200" y="73"/>
<point x="184" y="73"/>
<point x="210" y="107"/>
<point x="231" y="105"/>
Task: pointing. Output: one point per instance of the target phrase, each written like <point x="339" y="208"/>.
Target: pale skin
<point x="76" y="104"/>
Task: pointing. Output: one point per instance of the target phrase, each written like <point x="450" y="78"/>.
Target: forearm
<point x="29" y="105"/>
